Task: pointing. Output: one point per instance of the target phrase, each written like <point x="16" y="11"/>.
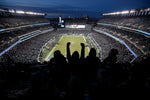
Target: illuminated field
<point x="75" y="45"/>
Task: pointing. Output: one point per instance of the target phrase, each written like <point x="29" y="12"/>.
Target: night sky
<point x="74" y="8"/>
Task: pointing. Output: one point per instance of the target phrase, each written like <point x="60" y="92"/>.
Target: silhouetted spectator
<point x="92" y="63"/>
<point x="76" y="68"/>
<point x="74" y="60"/>
<point x="112" y="58"/>
<point x="58" y="66"/>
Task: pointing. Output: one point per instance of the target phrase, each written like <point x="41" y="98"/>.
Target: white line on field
<point x="85" y="42"/>
<point x="53" y="49"/>
<point x="50" y="53"/>
<point x="84" y="38"/>
<point x="60" y="39"/>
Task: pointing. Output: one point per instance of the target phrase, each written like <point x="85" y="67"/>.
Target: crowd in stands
<point x="28" y="51"/>
<point x="106" y="43"/>
<point x="74" y="31"/>
<point x="7" y="38"/>
<point x="141" y="23"/>
<point x="8" y="22"/>
<point x="140" y="41"/>
<point x="73" y="77"/>
<point x="75" y="22"/>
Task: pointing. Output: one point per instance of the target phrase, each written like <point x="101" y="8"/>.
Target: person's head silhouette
<point x="75" y="55"/>
<point x="113" y="52"/>
<point x="57" y="54"/>
<point x="92" y="52"/>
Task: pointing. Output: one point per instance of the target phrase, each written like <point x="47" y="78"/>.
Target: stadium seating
<point x="72" y="77"/>
<point x="9" y="37"/>
<point x="74" y="22"/>
<point x="8" y="22"/>
<point x="57" y="79"/>
<point x="140" y="41"/>
<point x="141" y="23"/>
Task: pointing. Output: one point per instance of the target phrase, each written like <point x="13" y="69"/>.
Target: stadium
<point x="71" y="58"/>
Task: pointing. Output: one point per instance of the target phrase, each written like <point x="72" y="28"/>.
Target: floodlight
<point x="20" y="12"/>
<point x="30" y="13"/>
<point x="11" y="11"/>
<point x="132" y="11"/>
<point x="125" y="12"/>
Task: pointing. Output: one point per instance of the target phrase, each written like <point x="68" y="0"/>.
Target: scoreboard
<point x="75" y="26"/>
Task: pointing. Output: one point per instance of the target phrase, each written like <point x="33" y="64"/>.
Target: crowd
<point x="73" y="77"/>
<point x="106" y="43"/>
<point x="9" y="37"/>
<point x="8" y="22"/>
<point x="75" y="22"/>
<point x="28" y="51"/>
<point x="142" y="42"/>
<point x="74" y="31"/>
<point x="141" y="23"/>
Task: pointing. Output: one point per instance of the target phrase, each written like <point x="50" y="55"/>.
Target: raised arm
<point x="82" y="51"/>
<point x="68" y="51"/>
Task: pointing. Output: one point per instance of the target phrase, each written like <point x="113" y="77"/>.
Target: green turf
<point x="75" y="45"/>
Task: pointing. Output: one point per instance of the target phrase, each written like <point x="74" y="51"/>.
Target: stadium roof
<point x="137" y="12"/>
<point x="74" y="7"/>
<point x="21" y="12"/>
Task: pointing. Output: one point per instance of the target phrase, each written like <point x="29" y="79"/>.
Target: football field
<point x="74" y="46"/>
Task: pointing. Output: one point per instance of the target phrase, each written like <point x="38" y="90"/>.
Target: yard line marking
<point x="50" y="54"/>
<point x="52" y="50"/>
<point x="60" y="39"/>
<point x="85" y="42"/>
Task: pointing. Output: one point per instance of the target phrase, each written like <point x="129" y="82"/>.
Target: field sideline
<point x="75" y="45"/>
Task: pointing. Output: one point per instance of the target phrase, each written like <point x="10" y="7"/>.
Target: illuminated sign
<point x="75" y="26"/>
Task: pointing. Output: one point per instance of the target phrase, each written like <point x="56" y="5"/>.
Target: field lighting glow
<point x="117" y="13"/>
<point x="34" y="13"/>
<point x="11" y="11"/>
<point x="132" y="11"/>
<point x="125" y="12"/>
<point x="30" y="13"/>
<point x="20" y="12"/>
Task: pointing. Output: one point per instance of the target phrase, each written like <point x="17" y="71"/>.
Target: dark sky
<point x="74" y="8"/>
